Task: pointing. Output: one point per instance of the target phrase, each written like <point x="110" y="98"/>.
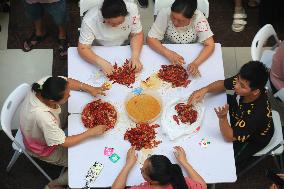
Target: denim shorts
<point x="57" y="10"/>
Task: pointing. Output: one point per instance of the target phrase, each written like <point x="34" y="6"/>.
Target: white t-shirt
<point x="94" y="28"/>
<point x="197" y="31"/>
<point x="40" y="125"/>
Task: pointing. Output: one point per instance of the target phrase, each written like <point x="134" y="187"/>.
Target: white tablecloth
<point x="214" y="163"/>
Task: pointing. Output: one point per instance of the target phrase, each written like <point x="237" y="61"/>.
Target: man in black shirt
<point x="251" y="125"/>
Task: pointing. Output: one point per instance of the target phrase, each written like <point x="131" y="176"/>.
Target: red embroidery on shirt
<point x="135" y="19"/>
<point x="54" y="119"/>
<point x="202" y="26"/>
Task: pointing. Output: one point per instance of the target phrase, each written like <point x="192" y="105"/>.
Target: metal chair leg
<point x="13" y="160"/>
<point x="242" y="172"/>
<point x="16" y="156"/>
<point x="212" y="186"/>
<point x="281" y="162"/>
<point x="271" y="152"/>
<point x="275" y="158"/>
<point x="62" y="170"/>
<point x="33" y="162"/>
<point x="37" y="166"/>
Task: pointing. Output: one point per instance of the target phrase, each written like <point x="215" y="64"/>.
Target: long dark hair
<point x="113" y="9"/>
<point x="162" y="170"/>
<point x="185" y="7"/>
<point x="52" y="89"/>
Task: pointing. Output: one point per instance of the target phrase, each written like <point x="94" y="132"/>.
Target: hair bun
<point x="36" y="87"/>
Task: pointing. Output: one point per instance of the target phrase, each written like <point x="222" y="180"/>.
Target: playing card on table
<point x="114" y="158"/>
<point x="204" y="143"/>
<point x="108" y="151"/>
<point x="93" y="173"/>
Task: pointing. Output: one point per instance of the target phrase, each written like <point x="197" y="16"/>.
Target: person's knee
<point x="63" y="179"/>
<point x="34" y="12"/>
<point x="59" y="13"/>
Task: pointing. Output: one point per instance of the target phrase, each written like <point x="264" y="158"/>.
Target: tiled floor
<point x="4" y="21"/>
<point x="147" y="17"/>
<point x="229" y="60"/>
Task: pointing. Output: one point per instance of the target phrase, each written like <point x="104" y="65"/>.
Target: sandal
<point x="32" y="41"/>
<point x="5" y="7"/>
<point x="63" y="48"/>
<point x="253" y="3"/>
<point x="239" y="22"/>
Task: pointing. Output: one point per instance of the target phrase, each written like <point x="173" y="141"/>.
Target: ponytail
<point x="36" y="87"/>
<point x="177" y="181"/>
<point x="162" y="170"/>
<point x="52" y="89"/>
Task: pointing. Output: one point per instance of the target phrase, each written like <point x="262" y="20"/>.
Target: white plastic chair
<point x="9" y="108"/>
<point x="259" y="41"/>
<point x="276" y="140"/>
<point x="85" y="5"/>
<point x="266" y="56"/>
<point x="279" y="94"/>
<point x="202" y="5"/>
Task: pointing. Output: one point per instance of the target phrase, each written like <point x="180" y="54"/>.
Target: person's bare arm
<point x="214" y="87"/>
<point x="157" y="46"/>
<point x="225" y="128"/>
<point x="120" y="181"/>
<point x="207" y="51"/>
<point x="80" y="86"/>
<point x="85" y="51"/>
<point x="136" y="43"/>
<point x="76" y="139"/>
<point x="181" y="157"/>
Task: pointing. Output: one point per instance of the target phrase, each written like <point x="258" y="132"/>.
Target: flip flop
<point x="239" y="22"/>
<point x="238" y="25"/>
<point x="63" y="48"/>
<point x="32" y="41"/>
<point x="253" y="3"/>
<point x="240" y="16"/>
